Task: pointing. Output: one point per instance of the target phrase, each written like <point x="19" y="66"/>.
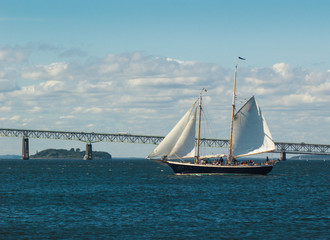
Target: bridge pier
<point x="88" y="154"/>
<point x="283" y="156"/>
<point x="25" y="148"/>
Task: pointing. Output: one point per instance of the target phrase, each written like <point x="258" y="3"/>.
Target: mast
<point x="230" y="152"/>
<point x="199" y="124"/>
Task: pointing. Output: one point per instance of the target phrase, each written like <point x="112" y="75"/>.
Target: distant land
<point x="69" y="154"/>
<point x="60" y="153"/>
<point x="310" y="157"/>
<point x="10" y="156"/>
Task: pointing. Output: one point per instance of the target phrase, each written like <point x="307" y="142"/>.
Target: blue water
<point x="139" y="199"/>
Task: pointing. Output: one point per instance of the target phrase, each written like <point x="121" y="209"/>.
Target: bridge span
<point x="91" y="137"/>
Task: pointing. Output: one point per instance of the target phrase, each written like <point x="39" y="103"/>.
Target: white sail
<point x="251" y="134"/>
<point x="177" y="143"/>
<point x="185" y="146"/>
<point x="212" y="156"/>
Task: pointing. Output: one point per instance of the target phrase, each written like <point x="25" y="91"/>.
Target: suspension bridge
<point x="91" y="137"/>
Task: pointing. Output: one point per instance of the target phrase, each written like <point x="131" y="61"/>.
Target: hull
<point x="189" y="168"/>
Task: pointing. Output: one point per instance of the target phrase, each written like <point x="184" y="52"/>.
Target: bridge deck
<point x="296" y="148"/>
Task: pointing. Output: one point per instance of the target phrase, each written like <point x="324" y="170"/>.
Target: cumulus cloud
<point x="282" y="69"/>
<point x="7" y="86"/>
<point x="295" y="99"/>
<point x="40" y="72"/>
<point x="52" y="85"/>
<point x="255" y="81"/>
<point x="5" y="109"/>
<point x="86" y="87"/>
<point x="180" y="62"/>
<point x="93" y="110"/>
<point x="67" y="117"/>
<point x="322" y="89"/>
<point x="42" y="89"/>
<point x="13" y="55"/>
<point x="11" y="118"/>
<point x="88" y="110"/>
<point x="148" y="94"/>
<point x="163" y="81"/>
<point x="35" y="109"/>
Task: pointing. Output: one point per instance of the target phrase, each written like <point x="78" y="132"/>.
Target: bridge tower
<point x="88" y="154"/>
<point x="283" y="156"/>
<point x="25" y="148"/>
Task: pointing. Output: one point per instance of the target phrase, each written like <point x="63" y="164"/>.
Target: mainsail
<point x="180" y="141"/>
<point x="251" y="134"/>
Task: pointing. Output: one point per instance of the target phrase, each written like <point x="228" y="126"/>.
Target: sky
<point x="137" y="66"/>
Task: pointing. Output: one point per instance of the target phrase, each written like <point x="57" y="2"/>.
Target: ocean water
<point x="140" y="199"/>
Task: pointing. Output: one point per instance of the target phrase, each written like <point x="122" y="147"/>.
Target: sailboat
<point x="249" y="135"/>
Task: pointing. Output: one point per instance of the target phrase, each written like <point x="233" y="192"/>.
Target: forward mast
<point x="199" y="125"/>
<point x="230" y="151"/>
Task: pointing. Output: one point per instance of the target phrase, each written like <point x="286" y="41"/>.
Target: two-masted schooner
<point x="249" y="135"/>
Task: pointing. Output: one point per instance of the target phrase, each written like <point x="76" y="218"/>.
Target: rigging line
<point x="241" y="100"/>
<point x="209" y="124"/>
<point x="207" y="131"/>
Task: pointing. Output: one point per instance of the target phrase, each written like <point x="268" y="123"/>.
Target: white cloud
<point x="14" y="118"/>
<point x="254" y="81"/>
<point x="77" y="109"/>
<point x="109" y="68"/>
<point x="35" y="109"/>
<point x="43" y="89"/>
<point x="6" y="85"/>
<point x="12" y="55"/>
<point x="5" y="109"/>
<point x="148" y="95"/>
<point x="282" y="69"/>
<point x="52" y="86"/>
<point x="296" y="99"/>
<point x="314" y="77"/>
<point x="92" y="87"/>
<point x="91" y="110"/>
<point x="40" y="72"/>
<point x="67" y="117"/>
<point x="34" y="75"/>
<point x="180" y="62"/>
<point x="161" y="81"/>
<point x="321" y="89"/>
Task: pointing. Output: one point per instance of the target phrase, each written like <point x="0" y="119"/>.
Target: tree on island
<point x="69" y="154"/>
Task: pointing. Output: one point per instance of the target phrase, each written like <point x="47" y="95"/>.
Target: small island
<point x="69" y="154"/>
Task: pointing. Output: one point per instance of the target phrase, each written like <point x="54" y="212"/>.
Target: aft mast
<point x="230" y="152"/>
<point x="199" y="124"/>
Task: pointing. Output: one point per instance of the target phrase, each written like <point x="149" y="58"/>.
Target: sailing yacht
<point x="249" y="135"/>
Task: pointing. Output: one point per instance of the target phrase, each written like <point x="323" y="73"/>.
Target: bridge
<point x="91" y="137"/>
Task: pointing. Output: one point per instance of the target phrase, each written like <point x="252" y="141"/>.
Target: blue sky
<point x="208" y="31"/>
<point x="109" y="66"/>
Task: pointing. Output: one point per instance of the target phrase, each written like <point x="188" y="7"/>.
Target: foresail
<point x="185" y="146"/>
<point x="251" y="134"/>
<point x="171" y="140"/>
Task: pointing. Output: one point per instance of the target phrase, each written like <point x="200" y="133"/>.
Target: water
<point x="139" y="199"/>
